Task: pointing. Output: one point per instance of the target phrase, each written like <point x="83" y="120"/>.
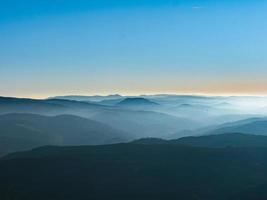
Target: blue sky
<point x="56" y="47"/>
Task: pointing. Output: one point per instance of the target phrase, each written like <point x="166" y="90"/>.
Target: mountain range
<point x="129" y="118"/>
<point x="144" y="122"/>
<point x="139" y="171"/>
<point x="144" y="147"/>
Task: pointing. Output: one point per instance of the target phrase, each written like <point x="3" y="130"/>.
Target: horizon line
<point x="42" y="97"/>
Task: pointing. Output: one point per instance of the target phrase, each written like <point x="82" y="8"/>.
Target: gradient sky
<point x="58" y="47"/>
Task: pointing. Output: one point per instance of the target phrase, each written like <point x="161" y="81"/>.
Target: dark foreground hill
<point x="25" y="131"/>
<point x="134" y="171"/>
<point x="224" y="140"/>
<point x="212" y="141"/>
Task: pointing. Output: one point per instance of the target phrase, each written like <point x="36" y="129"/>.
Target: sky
<point x="62" y="47"/>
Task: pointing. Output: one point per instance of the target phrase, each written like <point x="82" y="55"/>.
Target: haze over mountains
<point x="24" y="131"/>
<point x="126" y="147"/>
<point x="81" y="120"/>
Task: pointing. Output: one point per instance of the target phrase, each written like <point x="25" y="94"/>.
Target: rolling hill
<point x="144" y="123"/>
<point x="25" y="131"/>
<point x="136" y="101"/>
<point x="134" y="171"/>
<point x="212" y="141"/>
<point x="224" y="140"/>
<point x="49" y="106"/>
<point x="95" y="98"/>
<point x="135" y="122"/>
<point x="253" y="126"/>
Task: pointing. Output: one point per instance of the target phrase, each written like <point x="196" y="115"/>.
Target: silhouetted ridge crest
<point x="136" y="101"/>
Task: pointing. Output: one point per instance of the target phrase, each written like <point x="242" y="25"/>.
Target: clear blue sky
<point x="56" y="47"/>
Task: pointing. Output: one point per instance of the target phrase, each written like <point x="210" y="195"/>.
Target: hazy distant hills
<point x="9" y="105"/>
<point x="207" y="110"/>
<point x="161" y="116"/>
<point x="48" y="107"/>
<point x="96" y="98"/>
<point x="110" y="102"/>
<point x="136" y="122"/>
<point x="145" y="123"/>
<point x="256" y="126"/>
<point x="25" y="131"/>
<point x="135" y="171"/>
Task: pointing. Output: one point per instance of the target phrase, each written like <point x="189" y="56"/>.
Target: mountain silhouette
<point x="212" y="141"/>
<point x="134" y="171"/>
<point x="25" y="131"/>
<point x="138" y="101"/>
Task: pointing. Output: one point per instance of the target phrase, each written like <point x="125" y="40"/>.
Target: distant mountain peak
<point x="136" y="101"/>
